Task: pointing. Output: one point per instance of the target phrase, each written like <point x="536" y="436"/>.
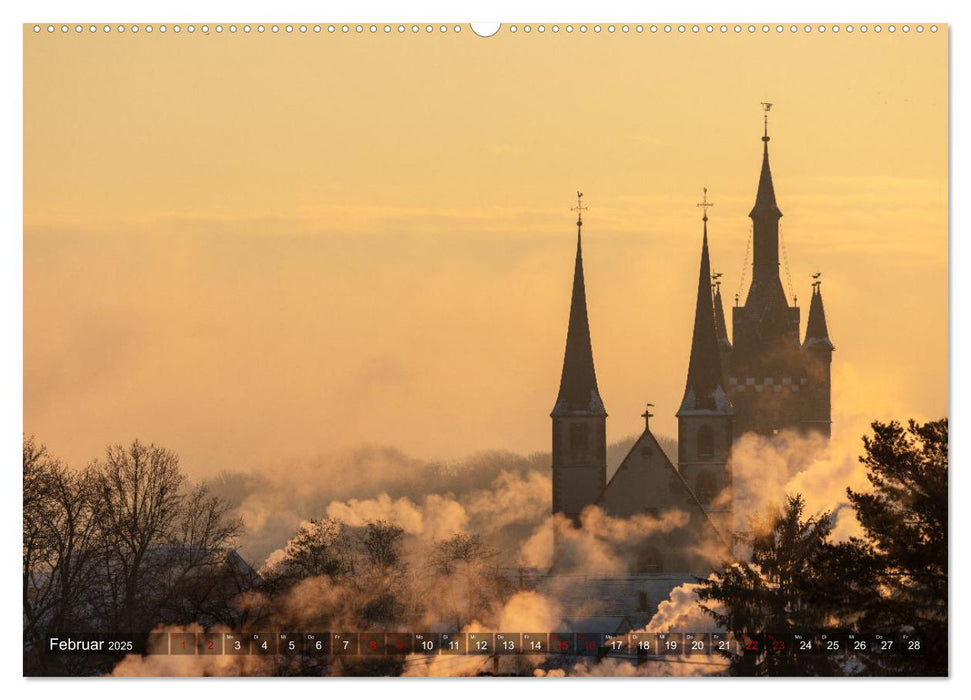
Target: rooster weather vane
<point x="579" y="208"/>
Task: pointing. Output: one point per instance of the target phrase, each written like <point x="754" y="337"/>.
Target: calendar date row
<point x="489" y="643"/>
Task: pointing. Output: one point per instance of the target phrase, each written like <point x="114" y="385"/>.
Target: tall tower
<point x="579" y="417"/>
<point x="772" y="379"/>
<point x="706" y="415"/>
<point x="766" y="321"/>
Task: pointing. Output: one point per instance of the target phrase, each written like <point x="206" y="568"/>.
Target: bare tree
<point x="204" y="574"/>
<point x="319" y="548"/>
<point x="156" y="534"/>
<point x="467" y="550"/>
<point x="466" y="562"/>
<point x="205" y="526"/>
<point x="39" y="472"/>
<point x="382" y="545"/>
<point x="141" y="490"/>
<point x="380" y="578"/>
<point x="58" y="535"/>
<point x="59" y="547"/>
<point x="121" y="546"/>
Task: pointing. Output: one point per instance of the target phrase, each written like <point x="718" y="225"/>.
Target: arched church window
<point x="706" y="442"/>
<point x="579" y="437"/>
<point x="705" y="487"/>
<point x="649" y="561"/>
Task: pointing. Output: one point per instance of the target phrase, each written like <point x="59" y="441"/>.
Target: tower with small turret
<point x="775" y="382"/>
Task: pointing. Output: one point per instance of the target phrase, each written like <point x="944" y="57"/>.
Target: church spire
<point x="817" y="334"/>
<point x="766" y="299"/>
<point x="578" y="382"/>
<point x="765" y="205"/>
<point x="703" y="390"/>
<point x="721" y="329"/>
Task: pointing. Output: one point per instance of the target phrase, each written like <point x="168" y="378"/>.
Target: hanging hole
<point x="485" y="29"/>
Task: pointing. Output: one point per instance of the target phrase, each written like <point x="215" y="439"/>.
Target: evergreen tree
<point x="773" y="592"/>
<point x="902" y="559"/>
<point x="892" y="580"/>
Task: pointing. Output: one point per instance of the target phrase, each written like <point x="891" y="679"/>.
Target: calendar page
<point x="521" y="349"/>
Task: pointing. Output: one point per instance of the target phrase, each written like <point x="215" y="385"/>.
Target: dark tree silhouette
<point x="382" y="544"/>
<point x="892" y="580"/>
<point x="61" y="514"/>
<point x="319" y="548"/>
<point x="381" y="576"/>
<point x="468" y="582"/>
<point x="903" y="556"/>
<point x="140" y="487"/>
<point x="774" y="592"/>
<point x="120" y="546"/>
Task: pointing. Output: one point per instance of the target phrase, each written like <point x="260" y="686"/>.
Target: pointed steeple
<point x="765" y="205"/>
<point x="703" y="389"/>
<point x="721" y="329"/>
<point x="578" y="383"/>
<point x="817" y="334"/>
<point x="767" y="304"/>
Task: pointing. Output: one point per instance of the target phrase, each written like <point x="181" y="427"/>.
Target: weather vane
<point x="579" y="208"/>
<point x="704" y="204"/>
<point x="647" y="415"/>
<point x="716" y="281"/>
<point x="766" y="106"/>
<point x="816" y="281"/>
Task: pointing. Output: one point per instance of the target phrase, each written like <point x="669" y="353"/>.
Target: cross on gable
<point x="647" y="415"/>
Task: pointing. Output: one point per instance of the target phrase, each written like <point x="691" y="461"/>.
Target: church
<point x="763" y="380"/>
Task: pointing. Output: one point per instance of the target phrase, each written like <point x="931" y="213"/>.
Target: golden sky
<point x="254" y="247"/>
